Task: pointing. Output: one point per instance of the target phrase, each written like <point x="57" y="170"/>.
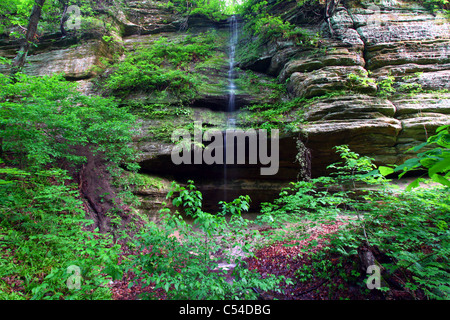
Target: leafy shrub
<point x="436" y="161"/>
<point x="43" y="231"/>
<point x="435" y="5"/>
<point x="407" y="231"/>
<point x="164" y="66"/>
<point x="43" y="119"/>
<point x="213" y="9"/>
<point x="385" y="86"/>
<point x="186" y="266"/>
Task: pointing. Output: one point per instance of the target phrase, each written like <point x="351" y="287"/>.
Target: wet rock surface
<point x="403" y="41"/>
<point x="369" y="45"/>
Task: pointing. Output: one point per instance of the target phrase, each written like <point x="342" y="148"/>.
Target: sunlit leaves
<point x="44" y="118"/>
<point x="184" y="258"/>
<point x="164" y="67"/>
<point x="436" y="161"/>
<point x="42" y="232"/>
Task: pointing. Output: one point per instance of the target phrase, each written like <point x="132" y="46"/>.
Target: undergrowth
<point x="406" y="230"/>
<point x="49" y="250"/>
<point x="166" y="67"/>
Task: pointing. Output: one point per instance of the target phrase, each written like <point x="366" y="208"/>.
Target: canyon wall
<point x="381" y="77"/>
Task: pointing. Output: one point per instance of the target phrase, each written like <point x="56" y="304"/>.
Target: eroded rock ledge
<point x="404" y="42"/>
<point x="402" y="46"/>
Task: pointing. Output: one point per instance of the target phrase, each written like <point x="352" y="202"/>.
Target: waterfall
<point x="231" y="72"/>
<point x="231" y="92"/>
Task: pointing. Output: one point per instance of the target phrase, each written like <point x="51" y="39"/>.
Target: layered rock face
<point x="76" y="60"/>
<point x="396" y="46"/>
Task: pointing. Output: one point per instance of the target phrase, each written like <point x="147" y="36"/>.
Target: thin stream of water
<point x="231" y="92"/>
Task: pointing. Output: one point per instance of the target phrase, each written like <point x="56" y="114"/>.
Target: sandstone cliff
<point x="379" y="82"/>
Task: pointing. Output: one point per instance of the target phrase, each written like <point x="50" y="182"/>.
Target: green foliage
<point x="213" y="9"/>
<point x="272" y="115"/>
<point x="353" y="168"/>
<point x="408" y="230"/>
<point x="256" y="84"/>
<point x="44" y="122"/>
<point x="272" y="27"/>
<point x="389" y="86"/>
<point x="42" y="232"/>
<point x="262" y="26"/>
<point x="147" y="181"/>
<point x="184" y="259"/>
<point x="358" y="81"/>
<point x="435" y="5"/>
<point x="15" y="15"/>
<point x="385" y="86"/>
<point x="43" y="119"/>
<point x="276" y="114"/>
<point x="436" y="161"/>
<point x="164" y="66"/>
<point x="165" y="118"/>
<point x="267" y="27"/>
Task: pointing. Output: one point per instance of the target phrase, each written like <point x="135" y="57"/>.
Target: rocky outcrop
<point x="77" y="60"/>
<point x="399" y="47"/>
<point x="76" y="63"/>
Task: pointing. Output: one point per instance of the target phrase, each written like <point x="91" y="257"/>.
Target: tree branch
<point x="19" y="60"/>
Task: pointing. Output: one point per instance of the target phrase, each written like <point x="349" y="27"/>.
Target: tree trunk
<point x="19" y="60"/>
<point x="64" y="18"/>
<point x="330" y="9"/>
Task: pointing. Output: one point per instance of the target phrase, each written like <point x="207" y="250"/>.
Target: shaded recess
<point x="242" y="179"/>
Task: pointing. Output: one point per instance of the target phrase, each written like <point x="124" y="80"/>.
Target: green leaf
<point x="418" y="147"/>
<point x="413" y="184"/>
<point x="441" y="166"/>
<point x="166" y="287"/>
<point x="385" y="170"/>
<point x="440" y="179"/>
<point x="408" y="164"/>
<point x="371" y="174"/>
<point x="442" y="128"/>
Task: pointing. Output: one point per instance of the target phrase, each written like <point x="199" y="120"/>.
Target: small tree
<point x="192" y="261"/>
<point x="33" y="21"/>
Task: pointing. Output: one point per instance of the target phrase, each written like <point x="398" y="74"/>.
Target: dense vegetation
<point x="48" y="130"/>
<point x="406" y="230"/>
<point x="165" y="66"/>
<point x="50" y="134"/>
<point x="15" y="16"/>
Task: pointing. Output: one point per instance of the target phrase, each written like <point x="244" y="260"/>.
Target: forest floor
<point x="291" y="258"/>
<point x="282" y="258"/>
